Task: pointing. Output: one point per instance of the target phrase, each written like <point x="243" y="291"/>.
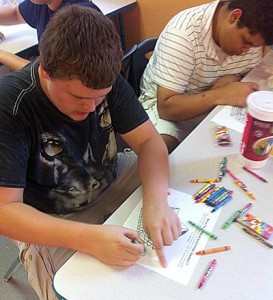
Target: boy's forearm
<point x="154" y="170"/>
<point x="10" y="15"/>
<point x="12" y="61"/>
<point x="24" y="223"/>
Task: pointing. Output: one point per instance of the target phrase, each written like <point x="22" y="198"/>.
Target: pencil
<point x="255" y="174"/>
<point x="213" y="250"/>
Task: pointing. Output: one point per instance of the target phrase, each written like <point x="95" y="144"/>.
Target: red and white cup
<point x="257" y="139"/>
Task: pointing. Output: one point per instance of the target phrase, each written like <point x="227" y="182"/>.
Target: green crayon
<point x="210" y="234"/>
<point x="232" y="219"/>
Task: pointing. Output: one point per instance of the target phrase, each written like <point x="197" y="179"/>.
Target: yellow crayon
<point x="202" y="189"/>
<point x="244" y="188"/>
<point x="205" y="180"/>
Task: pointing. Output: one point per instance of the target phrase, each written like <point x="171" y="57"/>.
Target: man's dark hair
<point x="81" y="43"/>
<point x="257" y="16"/>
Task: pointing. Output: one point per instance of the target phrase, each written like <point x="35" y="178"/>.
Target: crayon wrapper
<point x="256" y="225"/>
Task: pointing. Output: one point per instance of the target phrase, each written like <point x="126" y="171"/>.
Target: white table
<point x="112" y="8"/>
<point x="245" y="272"/>
<point x="19" y="38"/>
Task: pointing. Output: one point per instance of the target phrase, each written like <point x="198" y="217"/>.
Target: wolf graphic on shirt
<point x="79" y="180"/>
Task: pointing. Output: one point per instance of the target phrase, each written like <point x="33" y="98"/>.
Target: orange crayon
<point x="213" y="250"/>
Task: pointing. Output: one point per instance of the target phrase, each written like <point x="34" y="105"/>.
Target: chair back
<point x="135" y="61"/>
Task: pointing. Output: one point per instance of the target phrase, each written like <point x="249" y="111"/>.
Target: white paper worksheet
<point x="181" y="256"/>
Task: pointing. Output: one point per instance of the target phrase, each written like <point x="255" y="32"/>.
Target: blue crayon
<point x="214" y="195"/>
<point x="219" y="198"/>
<point x="222" y="203"/>
<point x="223" y="197"/>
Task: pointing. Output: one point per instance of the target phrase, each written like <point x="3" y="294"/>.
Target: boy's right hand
<point x="113" y="245"/>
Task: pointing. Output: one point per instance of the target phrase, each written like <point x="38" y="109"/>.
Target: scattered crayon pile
<point x="212" y="195"/>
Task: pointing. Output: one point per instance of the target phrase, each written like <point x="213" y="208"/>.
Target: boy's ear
<point x="44" y="73"/>
<point x="235" y="15"/>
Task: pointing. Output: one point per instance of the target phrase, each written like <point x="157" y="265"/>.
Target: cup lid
<point x="260" y="105"/>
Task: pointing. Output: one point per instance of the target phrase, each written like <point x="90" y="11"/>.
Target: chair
<point x="135" y="61"/>
<point x="15" y="265"/>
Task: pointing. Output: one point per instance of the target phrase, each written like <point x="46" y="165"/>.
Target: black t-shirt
<point x="61" y="164"/>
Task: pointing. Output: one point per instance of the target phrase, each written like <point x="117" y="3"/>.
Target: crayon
<point x="232" y="219"/>
<point x="255" y="174"/>
<point x="205" y="180"/>
<point x="210" y="234"/>
<point x="244" y="210"/>
<point x="222" y="203"/>
<point x="219" y="198"/>
<point x="223" y="168"/>
<point x="205" y="195"/>
<point x="213" y="250"/>
<point x="257" y="237"/>
<point x="218" y="191"/>
<point x="204" y="188"/>
<point x="207" y="273"/>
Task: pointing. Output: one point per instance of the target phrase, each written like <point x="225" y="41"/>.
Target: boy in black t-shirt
<point x="60" y="166"/>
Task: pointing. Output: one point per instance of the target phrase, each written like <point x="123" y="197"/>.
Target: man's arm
<point x="160" y="222"/>
<point x="10" y="15"/>
<point x="110" y="244"/>
<point x="174" y="106"/>
<point x="12" y="61"/>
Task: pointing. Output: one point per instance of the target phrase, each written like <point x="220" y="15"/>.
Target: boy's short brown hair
<point x="81" y="43"/>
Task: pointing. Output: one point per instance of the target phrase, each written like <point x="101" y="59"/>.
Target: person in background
<point x="62" y="175"/>
<point x="199" y="60"/>
<point x="36" y="14"/>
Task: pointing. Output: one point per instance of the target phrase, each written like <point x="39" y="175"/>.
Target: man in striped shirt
<point x="198" y="61"/>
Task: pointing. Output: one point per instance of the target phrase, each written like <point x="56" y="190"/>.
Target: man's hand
<point x="2" y="37"/>
<point x="225" y="80"/>
<point x="236" y="93"/>
<point x="163" y="227"/>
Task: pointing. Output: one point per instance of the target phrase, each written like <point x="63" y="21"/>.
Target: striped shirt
<point x="187" y="60"/>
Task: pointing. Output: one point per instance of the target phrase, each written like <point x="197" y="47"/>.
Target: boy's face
<point x="237" y="41"/>
<point x="231" y="38"/>
<point x="72" y="98"/>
